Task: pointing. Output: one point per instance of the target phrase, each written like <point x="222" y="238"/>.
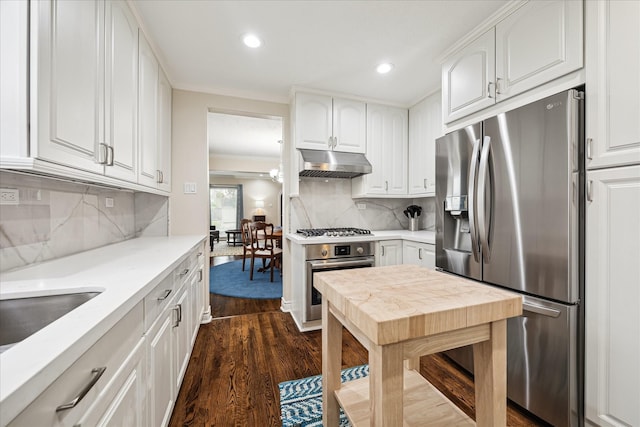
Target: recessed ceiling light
<point x="384" y="68"/>
<point x="251" y="40"/>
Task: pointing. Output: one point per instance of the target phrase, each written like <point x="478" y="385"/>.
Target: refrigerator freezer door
<point x="542" y="361"/>
<point x="455" y="165"/>
<point x="530" y="197"/>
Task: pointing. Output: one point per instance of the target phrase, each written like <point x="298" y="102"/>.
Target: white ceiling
<point x="327" y="45"/>
<point x="244" y="136"/>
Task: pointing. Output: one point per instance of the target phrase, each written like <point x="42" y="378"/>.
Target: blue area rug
<point x="301" y="400"/>
<point x="229" y="280"/>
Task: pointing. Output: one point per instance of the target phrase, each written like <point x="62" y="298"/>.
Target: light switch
<point x="190" y="188"/>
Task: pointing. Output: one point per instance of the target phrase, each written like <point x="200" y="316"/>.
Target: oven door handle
<point x="319" y="265"/>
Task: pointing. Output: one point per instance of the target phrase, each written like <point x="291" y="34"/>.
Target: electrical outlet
<point x="361" y="206"/>
<point x="9" y="196"/>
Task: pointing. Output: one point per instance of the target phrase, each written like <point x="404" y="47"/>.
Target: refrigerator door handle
<point x="483" y="227"/>
<point x="471" y="186"/>
<point x="545" y="311"/>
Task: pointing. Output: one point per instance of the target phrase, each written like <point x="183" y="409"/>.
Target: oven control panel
<point x="339" y="250"/>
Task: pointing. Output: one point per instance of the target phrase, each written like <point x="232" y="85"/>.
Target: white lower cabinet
<point x="161" y="368"/>
<point x="422" y="254"/>
<point x="99" y="372"/>
<point x="388" y="252"/>
<point x="120" y="404"/>
<point x="612" y="296"/>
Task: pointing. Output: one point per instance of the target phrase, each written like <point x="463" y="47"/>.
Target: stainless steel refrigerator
<point x="510" y="212"/>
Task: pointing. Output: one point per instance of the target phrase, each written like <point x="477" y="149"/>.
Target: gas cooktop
<point x="333" y="232"/>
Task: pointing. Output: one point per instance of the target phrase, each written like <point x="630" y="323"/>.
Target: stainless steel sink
<point x="22" y="317"/>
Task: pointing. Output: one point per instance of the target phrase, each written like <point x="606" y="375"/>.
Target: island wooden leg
<point x="490" y="372"/>
<point x="386" y="382"/>
<point x="331" y="366"/>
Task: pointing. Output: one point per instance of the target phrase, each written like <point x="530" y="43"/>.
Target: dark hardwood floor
<point x="239" y="359"/>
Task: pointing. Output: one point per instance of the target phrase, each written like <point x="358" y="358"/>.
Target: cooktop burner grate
<point x="333" y="232"/>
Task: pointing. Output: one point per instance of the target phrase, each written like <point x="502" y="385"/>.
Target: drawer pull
<point x="184" y="272"/>
<point x="97" y="373"/>
<point x="165" y="295"/>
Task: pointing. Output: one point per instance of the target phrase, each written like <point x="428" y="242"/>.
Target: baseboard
<point x="285" y="305"/>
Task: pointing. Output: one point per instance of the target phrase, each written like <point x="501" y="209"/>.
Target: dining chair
<point x="263" y="247"/>
<point x="246" y="239"/>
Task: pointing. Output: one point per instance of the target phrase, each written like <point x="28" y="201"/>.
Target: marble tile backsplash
<point x="57" y="218"/>
<point x="329" y="204"/>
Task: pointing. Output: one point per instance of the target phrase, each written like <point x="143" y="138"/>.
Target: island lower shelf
<point x="424" y="405"/>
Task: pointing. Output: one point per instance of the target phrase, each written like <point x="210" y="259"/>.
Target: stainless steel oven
<point x="327" y="257"/>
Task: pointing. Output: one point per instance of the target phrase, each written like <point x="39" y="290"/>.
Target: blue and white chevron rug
<point x="301" y="400"/>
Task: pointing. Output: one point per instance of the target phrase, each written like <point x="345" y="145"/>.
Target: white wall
<point x="189" y="213"/>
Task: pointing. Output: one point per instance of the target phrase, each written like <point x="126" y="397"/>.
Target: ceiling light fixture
<point x="252" y="41"/>
<point x="384" y="68"/>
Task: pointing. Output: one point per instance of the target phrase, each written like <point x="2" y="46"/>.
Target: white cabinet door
<point x="388" y="252"/>
<point x="349" y="125"/>
<point x="69" y="59"/>
<point x="387" y="151"/>
<point x="128" y="395"/>
<point x="467" y="77"/>
<point x="537" y="43"/>
<point x="161" y="368"/>
<point x="422" y="254"/>
<point x="164" y="133"/>
<point x="612" y="383"/>
<point x="313" y="121"/>
<point x="148" y="113"/>
<point x="121" y="88"/>
<point x="425" y="126"/>
<point x="183" y="333"/>
<point x="613" y="83"/>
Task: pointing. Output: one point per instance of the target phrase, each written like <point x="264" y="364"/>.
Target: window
<point x="226" y="206"/>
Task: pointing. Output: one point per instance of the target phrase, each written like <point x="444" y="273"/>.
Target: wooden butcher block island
<point x="400" y="313"/>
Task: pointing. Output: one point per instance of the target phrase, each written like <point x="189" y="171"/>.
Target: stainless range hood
<point x="333" y="164"/>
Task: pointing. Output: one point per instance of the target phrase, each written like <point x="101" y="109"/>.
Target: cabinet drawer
<point x="108" y="352"/>
<point x="187" y="266"/>
<point x="158" y="299"/>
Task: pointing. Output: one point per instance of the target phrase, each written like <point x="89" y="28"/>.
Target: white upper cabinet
<point x="85" y="115"/>
<point x="121" y="83"/>
<point x="323" y="122"/>
<point x="613" y="83"/>
<point x="467" y="78"/>
<point x="148" y="114"/>
<point x="387" y="151"/>
<point x="425" y="126"/>
<point x="537" y="43"/>
<point x="68" y="48"/>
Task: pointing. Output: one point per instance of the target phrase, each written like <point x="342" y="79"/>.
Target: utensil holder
<point x="413" y="224"/>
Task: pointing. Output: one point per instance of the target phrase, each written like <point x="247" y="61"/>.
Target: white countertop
<point x="124" y="272"/>
<point x="421" y="236"/>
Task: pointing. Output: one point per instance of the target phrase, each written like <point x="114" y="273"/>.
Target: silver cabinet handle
<point x="589" y="148"/>
<point x="184" y="272"/>
<point x="200" y="275"/>
<point x="424" y="183"/>
<point x="164" y="295"/>
<point x="420" y="253"/>
<point x="103" y="154"/>
<point x="382" y="247"/>
<point x="330" y="142"/>
<point x="590" y="191"/>
<point x="178" y="315"/>
<point x="386" y="186"/>
<point x="335" y="141"/>
<point x="110" y="156"/>
<point x="498" y="85"/>
<point x="96" y="374"/>
<point x="489" y="90"/>
<point x="159" y="176"/>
